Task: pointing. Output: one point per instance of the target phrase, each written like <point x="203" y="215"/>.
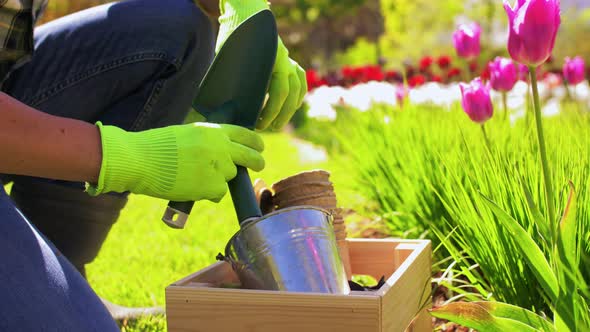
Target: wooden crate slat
<point x="219" y="310"/>
<point x="407" y="290"/>
<point x="372" y="257"/>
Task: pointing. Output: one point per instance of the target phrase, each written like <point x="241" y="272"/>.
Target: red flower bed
<point x="427" y="69"/>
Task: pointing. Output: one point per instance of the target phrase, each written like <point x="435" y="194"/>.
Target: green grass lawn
<point x="142" y="255"/>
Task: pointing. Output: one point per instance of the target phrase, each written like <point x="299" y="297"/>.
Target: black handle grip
<point x="243" y="196"/>
<point x="185" y="207"/>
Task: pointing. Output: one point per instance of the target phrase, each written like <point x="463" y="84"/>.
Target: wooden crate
<point x="197" y="303"/>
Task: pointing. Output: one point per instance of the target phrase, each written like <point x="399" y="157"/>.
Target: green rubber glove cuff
<point x="135" y="162"/>
<point x="234" y="13"/>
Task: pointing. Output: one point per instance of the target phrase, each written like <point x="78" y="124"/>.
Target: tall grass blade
<point x="492" y="317"/>
<point x="568" y="232"/>
<point x="567" y="265"/>
<point x="529" y="249"/>
<point x="541" y="222"/>
<point x="528" y="317"/>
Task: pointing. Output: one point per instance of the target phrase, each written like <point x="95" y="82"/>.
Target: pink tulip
<point x="533" y="28"/>
<point x="523" y="72"/>
<point x="476" y="101"/>
<point x="400" y="94"/>
<point x="574" y="70"/>
<point x="503" y="75"/>
<point x="467" y="40"/>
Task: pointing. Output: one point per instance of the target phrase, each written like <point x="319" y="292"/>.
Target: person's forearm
<point x="38" y="144"/>
<point x="210" y="7"/>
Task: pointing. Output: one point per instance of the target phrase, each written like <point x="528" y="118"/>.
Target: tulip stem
<point x="465" y="73"/>
<point x="505" y="104"/>
<point x="528" y="105"/>
<point x="542" y="149"/>
<point x="568" y="93"/>
<point x="485" y="136"/>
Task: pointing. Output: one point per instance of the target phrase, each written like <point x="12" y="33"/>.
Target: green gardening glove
<point x="181" y="163"/>
<point x="288" y="84"/>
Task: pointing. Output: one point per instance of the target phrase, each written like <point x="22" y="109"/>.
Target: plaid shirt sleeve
<point x="17" y="21"/>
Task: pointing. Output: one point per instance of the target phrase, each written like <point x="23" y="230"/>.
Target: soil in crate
<point x="354" y="286"/>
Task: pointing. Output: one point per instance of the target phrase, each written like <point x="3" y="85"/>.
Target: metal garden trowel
<point x="233" y="92"/>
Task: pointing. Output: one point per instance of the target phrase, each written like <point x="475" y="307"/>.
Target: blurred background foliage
<point x="327" y="34"/>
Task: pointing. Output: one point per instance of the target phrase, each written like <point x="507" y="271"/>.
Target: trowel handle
<point x="242" y="194"/>
<point x="233" y="92"/>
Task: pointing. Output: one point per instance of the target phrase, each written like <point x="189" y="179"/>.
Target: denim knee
<point x="178" y="25"/>
<point x="180" y="30"/>
<point x="105" y="38"/>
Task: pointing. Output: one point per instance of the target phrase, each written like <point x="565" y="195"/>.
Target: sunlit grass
<point x="427" y="169"/>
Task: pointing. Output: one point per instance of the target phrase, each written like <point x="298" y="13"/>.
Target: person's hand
<point x="181" y="163"/>
<point x="288" y="84"/>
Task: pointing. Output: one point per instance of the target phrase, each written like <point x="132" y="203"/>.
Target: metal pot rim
<point x="253" y="222"/>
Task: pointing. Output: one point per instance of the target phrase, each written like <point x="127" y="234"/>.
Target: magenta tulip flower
<point x="467" y="40"/>
<point x="476" y="101"/>
<point x="574" y="70"/>
<point x="400" y="95"/>
<point x="533" y="28"/>
<point x="503" y="74"/>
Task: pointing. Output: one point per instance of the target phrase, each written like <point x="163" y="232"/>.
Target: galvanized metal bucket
<point x="289" y="250"/>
